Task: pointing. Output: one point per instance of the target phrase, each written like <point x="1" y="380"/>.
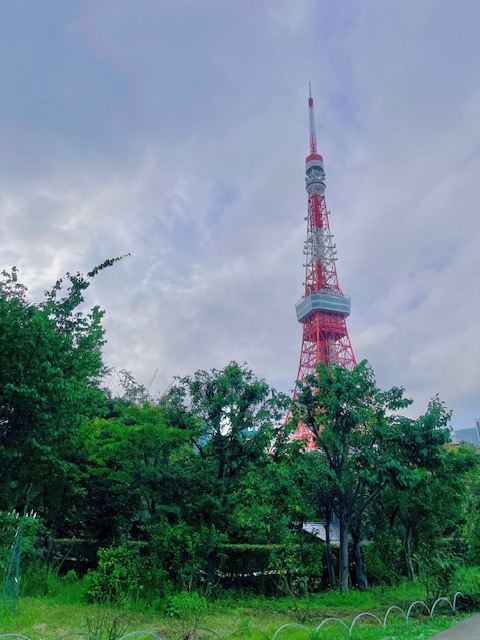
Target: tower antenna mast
<point x="311" y="115"/>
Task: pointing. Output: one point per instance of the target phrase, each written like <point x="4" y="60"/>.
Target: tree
<point x="472" y="524"/>
<point x="365" y="443"/>
<point x="423" y="515"/>
<point x="51" y="369"/>
<point x="237" y="415"/>
<point x="134" y="467"/>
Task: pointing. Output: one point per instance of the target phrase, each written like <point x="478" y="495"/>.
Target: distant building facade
<point x="470" y="435"/>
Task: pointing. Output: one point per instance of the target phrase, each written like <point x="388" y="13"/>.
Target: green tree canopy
<point x="237" y="415"/>
<point x="51" y="369"/>
<point x="365" y="442"/>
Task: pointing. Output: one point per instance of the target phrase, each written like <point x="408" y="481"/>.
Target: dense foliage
<point x="367" y="448"/>
<point x="205" y="486"/>
<point x="50" y="372"/>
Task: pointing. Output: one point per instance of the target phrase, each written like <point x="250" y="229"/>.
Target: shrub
<point x="122" y="573"/>
<point x="29" y="526"/>
<point x="438" y="571"/>
<point x="183" y="552"/>
<point x="384" y="560"/>
<point x="188" y="606"/>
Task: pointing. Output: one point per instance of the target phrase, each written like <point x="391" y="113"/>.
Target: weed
<point x="106" y="624"/>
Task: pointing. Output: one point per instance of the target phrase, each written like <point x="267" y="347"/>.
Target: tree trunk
<point x="343" y="555"/>
<point x="332" y="578"/>
<point x="360" y="572"/>
<point x="407" y="550"/>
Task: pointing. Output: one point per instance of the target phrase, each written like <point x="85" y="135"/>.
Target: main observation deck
<point x="334" y="302"/>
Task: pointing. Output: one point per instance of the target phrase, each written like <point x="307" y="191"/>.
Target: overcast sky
<point x="177" y="130"/>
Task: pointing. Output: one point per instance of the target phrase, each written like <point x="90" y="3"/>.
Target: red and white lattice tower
<point x="324" y="308"/>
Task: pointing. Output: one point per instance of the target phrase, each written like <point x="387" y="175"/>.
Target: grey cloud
<point x="177" y="132"/>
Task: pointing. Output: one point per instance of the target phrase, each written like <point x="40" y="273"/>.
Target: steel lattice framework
<point x="324" y="308"/>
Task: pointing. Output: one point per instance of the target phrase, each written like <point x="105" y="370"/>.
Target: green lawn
<point x="231" y="615"/>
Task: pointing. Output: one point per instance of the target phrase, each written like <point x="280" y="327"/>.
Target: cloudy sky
<point x="176" y="131"/>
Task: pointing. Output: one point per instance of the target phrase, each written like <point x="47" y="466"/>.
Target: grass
<point x="62" y="612"/>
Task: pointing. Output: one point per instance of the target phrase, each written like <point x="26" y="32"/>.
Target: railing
<point x="309" y="634"/>
<point x="368" y="614"/>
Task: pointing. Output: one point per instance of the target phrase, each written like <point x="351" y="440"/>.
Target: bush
<point x="269" y="568"/>
<point x="29" y="527"/>
<point x="183" y="552"/>
<point x="188" y="606"/>
<point x="122" y="573"/>
<point x="249" y="566"/>
<point x="384" y="560"/>
<point x="438" y="572"/>
<point x="469" y="580"/>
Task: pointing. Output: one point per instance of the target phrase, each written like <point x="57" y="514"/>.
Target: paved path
<point x="468" y="629"/>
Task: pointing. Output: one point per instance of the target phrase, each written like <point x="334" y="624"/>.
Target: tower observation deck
<point x="323" y="308"/>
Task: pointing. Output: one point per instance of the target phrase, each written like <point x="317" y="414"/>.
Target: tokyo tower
<point x="324" y="308"/>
